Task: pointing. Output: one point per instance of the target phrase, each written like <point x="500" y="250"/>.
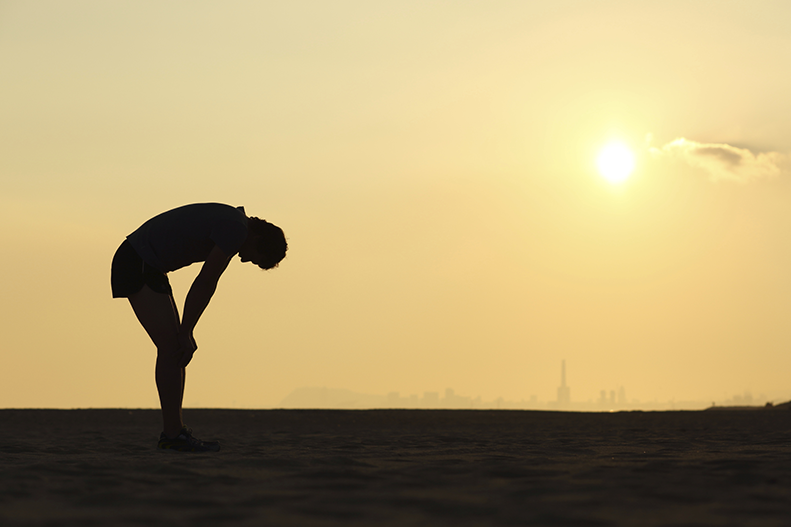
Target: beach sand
<point x="398" y="467"/>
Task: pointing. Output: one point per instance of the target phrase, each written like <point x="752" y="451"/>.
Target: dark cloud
<point x="722" y="161"/>
<point x="728" y="157"/>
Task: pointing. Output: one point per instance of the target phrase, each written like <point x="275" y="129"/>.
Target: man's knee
<point x="168" y="354"/>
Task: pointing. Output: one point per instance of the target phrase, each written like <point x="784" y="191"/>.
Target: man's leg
<point x="159" y="316"/>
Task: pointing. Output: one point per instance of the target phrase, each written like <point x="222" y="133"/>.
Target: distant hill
<point x="767" y="406"/>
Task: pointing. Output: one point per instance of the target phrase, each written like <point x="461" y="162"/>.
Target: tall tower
<point x="564" y="392"/>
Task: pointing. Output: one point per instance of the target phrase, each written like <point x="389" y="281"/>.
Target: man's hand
<point x="187" y="346"/>
<point x="200" y="293"/>
<point x="198" y="298"/>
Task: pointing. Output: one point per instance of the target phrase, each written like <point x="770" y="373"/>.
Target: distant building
<point x="431" y="399"/>
<point x="456" y="401"/>
<point x="564" y="392"/>
<point x="394" y="400"/>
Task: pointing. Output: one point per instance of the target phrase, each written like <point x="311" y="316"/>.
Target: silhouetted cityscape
<point x="608" y="400"/>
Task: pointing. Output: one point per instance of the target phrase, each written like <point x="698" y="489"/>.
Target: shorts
<point x="129" y="273"/>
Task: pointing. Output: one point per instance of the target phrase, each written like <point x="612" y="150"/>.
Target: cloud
<point x="723" y="162"/>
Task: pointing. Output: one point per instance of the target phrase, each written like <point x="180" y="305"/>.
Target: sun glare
<point x="615" y="162"/>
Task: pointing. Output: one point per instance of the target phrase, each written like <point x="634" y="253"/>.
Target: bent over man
<point x="211" y="233"/>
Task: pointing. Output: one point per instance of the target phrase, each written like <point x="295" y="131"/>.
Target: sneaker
<point x="184" y="442"/>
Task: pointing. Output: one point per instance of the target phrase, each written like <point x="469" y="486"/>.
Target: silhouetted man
<point x="203" y="232"/>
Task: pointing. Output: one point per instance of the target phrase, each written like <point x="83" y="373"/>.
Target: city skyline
<point x="338" y="398"/>
<point x="608" y="400"/>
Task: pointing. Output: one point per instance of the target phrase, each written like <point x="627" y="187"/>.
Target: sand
<point x="398" y="467"/>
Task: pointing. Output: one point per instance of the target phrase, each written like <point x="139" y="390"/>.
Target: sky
<point x="433" y="165"/>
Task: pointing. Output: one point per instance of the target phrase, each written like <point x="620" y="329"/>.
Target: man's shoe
<point x="184" y="442"/>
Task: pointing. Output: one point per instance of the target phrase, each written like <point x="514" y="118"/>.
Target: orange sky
<point x="433" y="166"/>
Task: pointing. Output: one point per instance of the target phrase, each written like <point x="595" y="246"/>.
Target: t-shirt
<point x="185" y="235"/>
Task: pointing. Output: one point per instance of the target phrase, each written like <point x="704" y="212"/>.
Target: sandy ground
<point x="391" y="467"/>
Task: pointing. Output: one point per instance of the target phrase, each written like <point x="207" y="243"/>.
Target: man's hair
<point x="271" y="245"/>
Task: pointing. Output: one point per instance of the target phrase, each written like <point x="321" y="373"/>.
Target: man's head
<point x="265" y="245"/>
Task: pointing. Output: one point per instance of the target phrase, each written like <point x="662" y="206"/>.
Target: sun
<point x="616" y="163"/>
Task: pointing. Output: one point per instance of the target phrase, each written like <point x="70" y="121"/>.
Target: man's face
<point x="247" y="252"/>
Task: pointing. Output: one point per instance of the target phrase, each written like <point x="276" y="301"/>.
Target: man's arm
<point x="198" y="298"/>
